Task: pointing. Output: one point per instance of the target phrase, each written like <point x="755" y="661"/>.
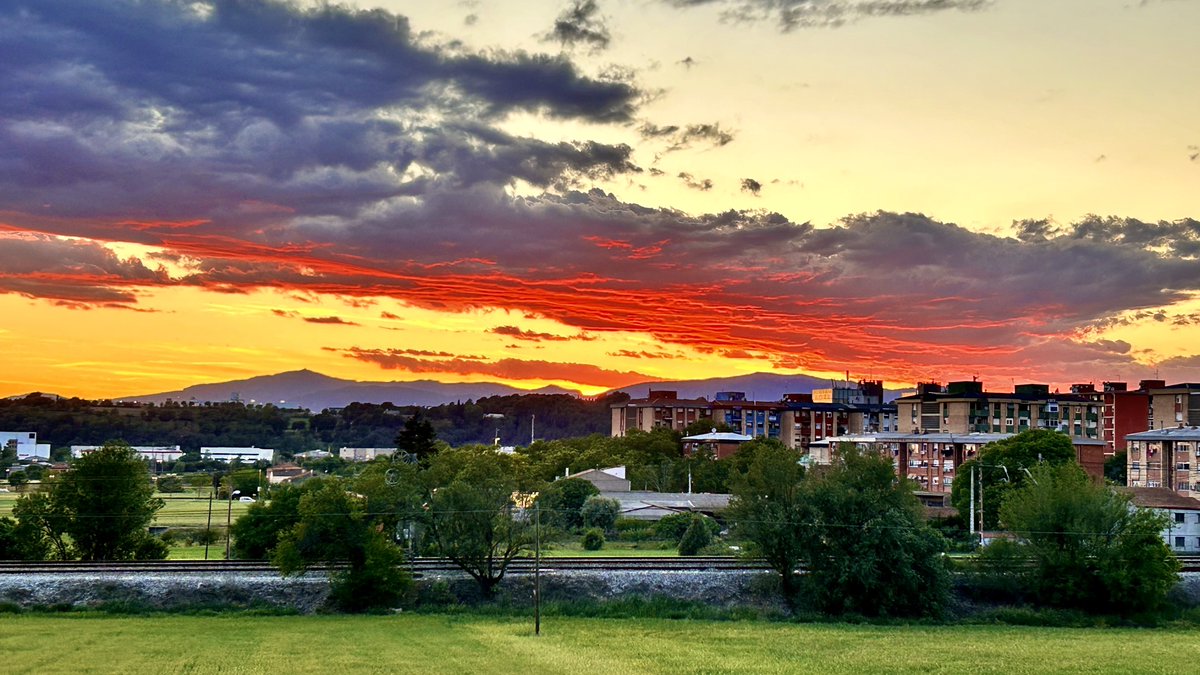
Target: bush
<point x="170" y="484"/>
<point x="696" y="537"/>
<point x="600" y="512"/>
<point x="593" y="539"/>
<point x="628" y="529"/>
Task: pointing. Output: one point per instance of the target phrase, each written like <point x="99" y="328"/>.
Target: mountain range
<point x="315" y="391"/>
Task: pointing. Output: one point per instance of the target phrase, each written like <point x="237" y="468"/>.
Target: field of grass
<point x="464" y="644"/>
<point x="611" y="549"/>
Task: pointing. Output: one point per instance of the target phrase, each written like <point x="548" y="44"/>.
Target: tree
<point x="592" y="540"/>
<point x="1091" y="549"/>
<point x="696" y="537"/>
<point x="600" y="512"/>
<point x="865" y="543"/>
<point x="334" y="529"/>
<point x="1001" y="466"/>
<point x="256" y="532"/>
<point x="170" y="484"/>
<point x="1114" y="468"/>
<point x="418" y="437"/>
<point x="18" y="479"/>
<point x="562" y="502"/>
<point x="766" y="508"/>
<point x="21" y="541"/>
<point x="472" y="517"/>
<point x="104" y="503"/>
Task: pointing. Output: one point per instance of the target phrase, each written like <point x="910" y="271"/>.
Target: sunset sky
<point x="598" y="193"/>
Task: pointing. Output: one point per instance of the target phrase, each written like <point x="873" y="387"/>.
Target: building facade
<point x="966" y="408"/>
<point x="1164" y="458"/>
<point x="150" y="453"/>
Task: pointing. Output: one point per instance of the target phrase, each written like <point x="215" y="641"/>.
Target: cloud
<point x="532" y="336"/>
<point x="334" y="320"/>
<point x="643" y="354"/>
<point x="507" y="369"/>
<point x="752" y="186"/>
<point x="791" y="15"/>
<point x="680" y="138"/>
<point x="74" y="273"/>
<point x="703" y="185"/>
<point x="580" y="24"/>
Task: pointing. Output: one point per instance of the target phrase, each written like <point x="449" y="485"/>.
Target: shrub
<point x="593" y="539"/>
<point x="696" y="537"/>
<point x="600" y="512"/>
<point x="628" y="529"/>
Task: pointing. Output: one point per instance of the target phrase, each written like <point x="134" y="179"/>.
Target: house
<point x="1183" y="529"/>
<point x="722" y="444"/>
<point x="605" y="480"/>
<point x="287" y="473"/>
<point x="231" y="454"/>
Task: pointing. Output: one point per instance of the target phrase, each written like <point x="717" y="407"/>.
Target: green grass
<point x="611" y="549"/>
<point x="457" y="644"/>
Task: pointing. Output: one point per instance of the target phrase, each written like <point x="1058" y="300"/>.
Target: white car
<point x="246" y="500"/>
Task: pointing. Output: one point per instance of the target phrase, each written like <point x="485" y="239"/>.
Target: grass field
<point x="461" y="644"/>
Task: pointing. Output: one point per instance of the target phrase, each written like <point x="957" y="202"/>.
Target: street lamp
<point x="229" y="520"/>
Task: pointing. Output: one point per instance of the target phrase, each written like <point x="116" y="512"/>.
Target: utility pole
<point x="532" y="419"/>
<point x="208" y="527"/>
<point x="972" y="510"/>
<point x="537" y="569"/>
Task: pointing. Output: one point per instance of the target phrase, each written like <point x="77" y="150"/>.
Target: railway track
<point x="421" y="566"/>
<point x="416" y="565"/>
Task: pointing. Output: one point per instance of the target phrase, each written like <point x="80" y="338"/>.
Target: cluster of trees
<point x="74" y="421"/>
<point x="98" y="510"/>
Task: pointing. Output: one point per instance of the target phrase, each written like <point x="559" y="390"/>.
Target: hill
<point x="314" y="391"/>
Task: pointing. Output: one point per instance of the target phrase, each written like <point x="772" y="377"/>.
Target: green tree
<point x="256" y="532"/>
<point x="600" y="512"/>
<point x="1090" y="548"/>
<point x="104" y="503"/>
<point x="418" y="437"/>
<point x="472" y="517"/>
<point x="18" y="479"/>
<point x="1114" y="468"/>
<point x="562" y="502"/>
<point x="1002" y="466"/>
<point x="170" y="484"/>
<point x="767" y="509"/>
<point x="21" y="541"/>
<point x="43" y="521"/>
<point x="592" y="540"/>
<point x="334" y="529"/>
<point x="865" y="543"/>
<point x="696" y="537"/>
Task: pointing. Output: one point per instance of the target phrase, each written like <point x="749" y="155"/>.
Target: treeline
<point x="74" y="421"/>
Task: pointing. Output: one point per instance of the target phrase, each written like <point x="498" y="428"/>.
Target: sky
<point x="597" y="193"/>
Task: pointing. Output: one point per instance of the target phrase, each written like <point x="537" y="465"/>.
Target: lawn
<point x="464" y="644"/>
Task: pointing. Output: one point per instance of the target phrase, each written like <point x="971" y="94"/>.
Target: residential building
<point x="1164" y="458"/>
<point x="660" y="409"/>
<point x="364" y="454"/>
<point x="965" y="407"/>
<point x="231" y="454"/>
<point x="722" y="444"/>
<point x="150" y="453"/>
<point x="932" y="460"/>
<point x="25" y="444"/>
<point x="1182" y="533"/>
<point x="1126" y="411"/>
<point x="1174" y="405"/>
<point x="287" y="473"/>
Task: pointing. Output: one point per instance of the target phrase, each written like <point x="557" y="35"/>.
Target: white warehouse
<point x="229" y="454"/>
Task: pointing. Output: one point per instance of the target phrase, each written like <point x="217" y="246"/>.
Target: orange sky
<point x="597" y="194"/>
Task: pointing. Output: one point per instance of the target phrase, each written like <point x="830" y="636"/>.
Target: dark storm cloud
<point x="109" y="107"/>
<point x="581" y="24"/>
<point x="794" y="14"/>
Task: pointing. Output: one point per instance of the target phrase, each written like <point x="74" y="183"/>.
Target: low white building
<point x="364" y="454"/>
<point x="25" y="443"/>
<point x="150" y="453"/>
<point x="229" y="454"/>
<point x="1183" y="529"/>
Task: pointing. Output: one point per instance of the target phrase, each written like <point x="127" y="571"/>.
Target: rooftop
<point x="1166" y="434"/>
<point x="1161" y="498"/>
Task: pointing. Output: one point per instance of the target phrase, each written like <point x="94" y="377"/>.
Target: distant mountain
<point x="756" y="386"/>
<point x="308" y="389"/>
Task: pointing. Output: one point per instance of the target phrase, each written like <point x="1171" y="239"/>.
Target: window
<point x="1179" y="517"/>
<point x="1179" y="543"/>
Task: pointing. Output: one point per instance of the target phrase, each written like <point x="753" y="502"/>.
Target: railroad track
<point x="420" y="566"/>
<point x="416" y="565"/>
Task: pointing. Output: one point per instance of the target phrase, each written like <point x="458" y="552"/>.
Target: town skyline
<point x="596" y="194"/>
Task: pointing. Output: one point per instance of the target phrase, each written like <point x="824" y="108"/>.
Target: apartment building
<point x="1164" y="458"/>
<point x="1173" y="405"/>
<point x="1182" y="533"/>
<point x="932" y="460"/>
<point x="965" y="407"/>
<point x="797" y="420"/>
